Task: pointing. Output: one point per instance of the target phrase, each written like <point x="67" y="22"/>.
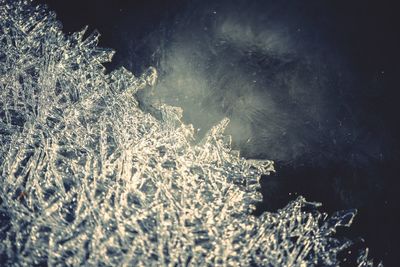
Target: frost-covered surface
<point x="89" y="178"/>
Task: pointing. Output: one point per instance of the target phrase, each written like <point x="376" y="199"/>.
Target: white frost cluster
<point x="89" y="178"/>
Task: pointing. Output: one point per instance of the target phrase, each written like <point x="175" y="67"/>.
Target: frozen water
<point x="88" y="177"/>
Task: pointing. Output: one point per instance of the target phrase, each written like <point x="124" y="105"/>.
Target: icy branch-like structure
<point x="88" y="178"/>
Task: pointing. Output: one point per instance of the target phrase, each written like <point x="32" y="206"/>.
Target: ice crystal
<point x="88" y="177"/>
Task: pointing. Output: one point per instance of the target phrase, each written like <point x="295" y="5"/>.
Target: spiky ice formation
<point x="89" y="178"/>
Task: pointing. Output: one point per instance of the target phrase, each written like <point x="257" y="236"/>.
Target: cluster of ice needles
<point x="89" y="178"/>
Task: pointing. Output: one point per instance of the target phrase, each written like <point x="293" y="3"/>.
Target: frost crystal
<point x="90" y="178"/>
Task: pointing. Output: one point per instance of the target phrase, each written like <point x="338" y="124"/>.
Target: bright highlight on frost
<point x="89" y="178"/>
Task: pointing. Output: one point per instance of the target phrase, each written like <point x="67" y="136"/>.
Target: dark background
<point x="357" y="173"/>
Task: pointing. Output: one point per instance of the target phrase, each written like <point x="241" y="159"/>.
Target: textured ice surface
<point x="90" y="178"/>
